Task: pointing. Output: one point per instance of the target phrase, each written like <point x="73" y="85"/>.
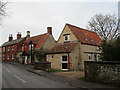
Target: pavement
<point x="70" y="78"/>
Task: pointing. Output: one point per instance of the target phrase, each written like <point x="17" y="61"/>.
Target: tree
<point x="111" y="50"/>
<point x="2" y="10"/>
<point x="40" y="54"/>
<point x="106" y="26"/>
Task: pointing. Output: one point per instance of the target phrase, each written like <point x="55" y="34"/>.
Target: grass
<point x="82" y="78"/>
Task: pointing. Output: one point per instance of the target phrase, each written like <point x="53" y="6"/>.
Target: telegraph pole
<point x="119" y="11"/>
<point x="119" y="18"/>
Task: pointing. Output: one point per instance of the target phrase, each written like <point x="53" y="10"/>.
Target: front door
<point x="64" y="62"/>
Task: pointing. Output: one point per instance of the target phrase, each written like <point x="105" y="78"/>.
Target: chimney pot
<point x="18" y="35"/>
<point x="49" y="30"/>
<point x="28" y="35"/>
<point x="10" y="37"/>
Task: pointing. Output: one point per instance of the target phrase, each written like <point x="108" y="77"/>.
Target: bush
<point x="46" y="66"/>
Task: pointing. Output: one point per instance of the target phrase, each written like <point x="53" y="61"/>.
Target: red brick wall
<point x="12" y="51"/>
<point x="9" y="52"/>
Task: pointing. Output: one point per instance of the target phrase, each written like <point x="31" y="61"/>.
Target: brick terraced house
<point x="45" y="41"/>
<point x="74" y="46"/>
<point x="9" y="49"/>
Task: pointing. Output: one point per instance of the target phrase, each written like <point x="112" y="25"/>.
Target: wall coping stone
<point x="103" y="62"/>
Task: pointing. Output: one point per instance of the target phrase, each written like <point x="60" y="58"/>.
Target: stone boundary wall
<point x="102" y="71"/>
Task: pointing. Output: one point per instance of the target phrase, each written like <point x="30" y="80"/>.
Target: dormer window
<point x="66" y="37"/>
<point x="86" y="39"/>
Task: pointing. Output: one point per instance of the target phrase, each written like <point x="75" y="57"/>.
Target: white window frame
<point x="30" y="46"/>
<point x="68" y="36"/>
<point x="8" y="58"/>
<point x="90" y="55"/>
<point x="13" y="47"/>
<point x="12" y="56"/>
<point x="3" y="49"/>
<point x="51" y="56"/>
<point x="8" y="48"/>
<point x="64" y="62"/>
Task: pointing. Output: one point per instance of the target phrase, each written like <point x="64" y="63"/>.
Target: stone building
<point x="74" y="46"/>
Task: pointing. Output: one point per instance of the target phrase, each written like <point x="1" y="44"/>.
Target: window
<point x="64" y="62"/>
<point x="92" y="41"/>
<point x="12" y="56"/>
<point x="64" y="58"/>
<point x="8" y="48"/>
<point x="31" y="46"/>
<point x="95" y="57"/>
<point x="3" y="49"/>
<point x="86" y="39"/>
<point x="90" y="57"/>
<point x="3" y="57"/>
<point x="13" y="47"/>
<point x="51" y="56"/>
<point x="8" y="57"/>
<point x="66" y="37"/>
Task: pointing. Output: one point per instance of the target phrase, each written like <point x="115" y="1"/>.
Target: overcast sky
<point x="37" y="16"/>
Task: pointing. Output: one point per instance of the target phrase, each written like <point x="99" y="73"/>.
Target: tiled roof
<point x="63" y="48"/>
<point x="85" y="36"/>
<point x="12" y="42"/>
<point x="39" y="40"/>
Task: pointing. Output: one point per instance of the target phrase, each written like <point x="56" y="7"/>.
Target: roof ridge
<point x="14" y="39"/>
<point x="38" y="35"/>
<point x="80" y="28"/>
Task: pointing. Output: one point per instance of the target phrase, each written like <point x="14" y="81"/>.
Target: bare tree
<point x="106" y="26"/>
<point x="2" y="10"/>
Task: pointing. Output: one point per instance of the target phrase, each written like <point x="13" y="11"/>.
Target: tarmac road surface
<point x="14" y="77"/>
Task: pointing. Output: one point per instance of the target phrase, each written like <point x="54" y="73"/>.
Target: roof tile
<point x="63" y="48"/>
<point x="39" y="40"/>
<point x="85" y="36"/>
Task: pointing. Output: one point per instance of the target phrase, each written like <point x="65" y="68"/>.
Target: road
<point x="14" y="77"/>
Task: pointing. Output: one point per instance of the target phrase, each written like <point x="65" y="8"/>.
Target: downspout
<point x="68" y="62"/>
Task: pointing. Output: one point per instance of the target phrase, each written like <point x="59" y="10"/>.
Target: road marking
<point x="6" y="69"/>
<point x="20" y="79"/>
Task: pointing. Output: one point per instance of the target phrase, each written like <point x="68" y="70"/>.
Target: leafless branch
<point x="106" y="26"/>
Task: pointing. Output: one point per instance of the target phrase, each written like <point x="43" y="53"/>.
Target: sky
<point x="36" y="15"/>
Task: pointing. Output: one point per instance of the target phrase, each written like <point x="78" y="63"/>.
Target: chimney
<point x="18" y="35"/>
<point x="10" y="37"/>
<point x="28" y="35"/>
<point x="49" y="30"/>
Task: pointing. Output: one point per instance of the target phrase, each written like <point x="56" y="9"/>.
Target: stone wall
<point x="108" y="72"/>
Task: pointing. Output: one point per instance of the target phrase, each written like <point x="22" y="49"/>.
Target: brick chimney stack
<point x="18" y="35"/>
<point x="10" y="37"/>
<point x="28" y="35"/>
<point x="49" y="30"/>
